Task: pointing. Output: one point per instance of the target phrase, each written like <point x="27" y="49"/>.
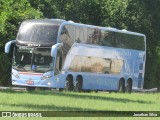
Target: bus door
<point x="58" y="83"/>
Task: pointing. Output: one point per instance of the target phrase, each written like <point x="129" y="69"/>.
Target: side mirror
<point x="55" y="48"/>
<point x="8" y="46"/>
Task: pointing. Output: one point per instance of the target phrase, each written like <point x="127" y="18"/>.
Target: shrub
<point x="5" y="70"/>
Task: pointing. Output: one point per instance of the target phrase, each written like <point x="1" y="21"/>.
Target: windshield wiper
<point x="49" y="70"/>
<point x="21" y="67"/>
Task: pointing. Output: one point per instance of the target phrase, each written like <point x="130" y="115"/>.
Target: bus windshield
<point x="32" y="59"/>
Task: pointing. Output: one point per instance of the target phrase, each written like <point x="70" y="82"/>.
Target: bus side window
<point x="57" y="70"/>
<point x="116" y="66"/>
<point x="58" y="62"/>
<point x="107" y="66"/>
<point x="63" y="35"/>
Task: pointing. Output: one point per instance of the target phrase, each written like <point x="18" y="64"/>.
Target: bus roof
<point x="51" y="21"/>
<point x="60" y="21"/>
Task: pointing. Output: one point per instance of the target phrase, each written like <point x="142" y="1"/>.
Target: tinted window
<point x="96" y="36"/>
<point x="121" y="40"/>
<point x="67" y="37"/>
<point x="38" y="33"/>
<point x="115" y="39"/>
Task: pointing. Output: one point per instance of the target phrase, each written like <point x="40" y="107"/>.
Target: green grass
<point x="60" y="101"/>
<point x="71" y="101"/>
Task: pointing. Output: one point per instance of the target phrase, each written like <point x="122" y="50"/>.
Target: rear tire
<point x="129" y="86"/>
<point x="78" y="84"/>
<point x="121" y="86"/>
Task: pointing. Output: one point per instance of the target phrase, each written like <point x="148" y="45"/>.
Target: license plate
<point x="30" y="82"/>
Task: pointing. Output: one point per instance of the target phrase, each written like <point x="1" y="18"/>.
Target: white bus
<point x="55" y="53"/>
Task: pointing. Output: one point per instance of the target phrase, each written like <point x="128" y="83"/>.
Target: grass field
<point x="71" y="101"/>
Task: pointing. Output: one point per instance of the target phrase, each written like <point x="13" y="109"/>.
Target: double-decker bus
<point x="54" y="53"/>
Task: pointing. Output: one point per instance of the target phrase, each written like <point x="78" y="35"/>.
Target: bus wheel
<point x="69" y="83"/>
<point x="129" y="86"/>
<point x="29" y="89"/>
<point x="78" y="84"/>
<point x="121" y="86"/>
<point x="60" y="89"/>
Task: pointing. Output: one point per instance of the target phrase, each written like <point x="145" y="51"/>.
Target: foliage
<point x="12" y="13"/>
<point x="5" y="68"/>
<point x="143" y="16"/>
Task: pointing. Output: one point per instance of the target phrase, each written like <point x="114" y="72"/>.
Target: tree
<point x="12" y="13"/>
<point x="143" y="16"/>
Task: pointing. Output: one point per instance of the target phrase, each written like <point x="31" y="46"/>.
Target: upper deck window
<point x="38" y="33"/>
<point x="96" y="36"/>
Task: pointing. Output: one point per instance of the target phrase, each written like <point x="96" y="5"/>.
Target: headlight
<point x="49" y="83"/>
<point x="46" y="77"/>
<point x="15" y="75"/>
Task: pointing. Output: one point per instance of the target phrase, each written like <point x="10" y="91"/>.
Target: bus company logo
<point x="6" y="114"/>
<point x="21" y="114"/>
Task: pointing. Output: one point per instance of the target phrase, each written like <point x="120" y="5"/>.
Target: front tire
<point x="69" y="83"/>
<point x="60" y="89"/>
<point x="121" y="86"/>
<point x="29" y="89"/>
<point x="129" y="86"/>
